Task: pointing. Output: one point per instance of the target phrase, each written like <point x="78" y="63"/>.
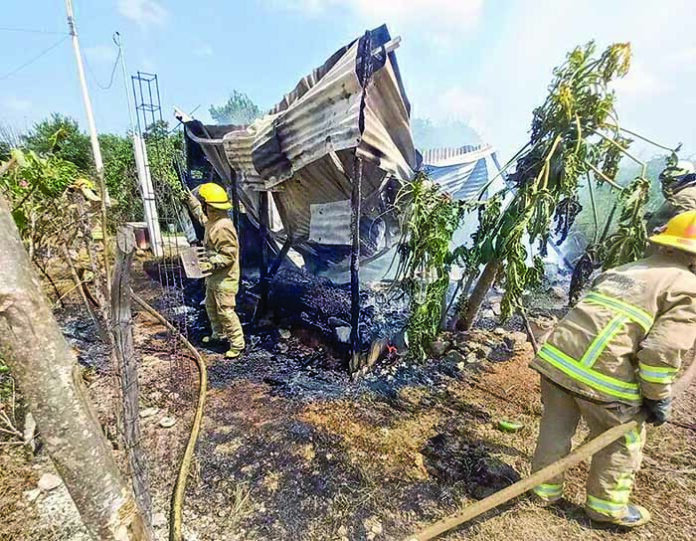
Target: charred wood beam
<point x="364" y="66"/>
<point x="278" y="261"/>
<point x="355" y="267"/>
<point x="235" y="200"/>
<point x="263" y="267"/>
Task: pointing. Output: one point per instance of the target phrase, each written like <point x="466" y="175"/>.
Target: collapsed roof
<point x="303" y="152"/>
<point x="464" y="172"/>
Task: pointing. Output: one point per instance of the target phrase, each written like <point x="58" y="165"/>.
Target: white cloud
<point x="101" y="54"/>
<point x="684" y="59"/>
<point x="149" y="65"/>
<point x="143" y="12"/>
<point x="17" y="105"/>
<point x="640" y="83"/>
<point x="204" y="50"/>
<point x="458" y="104"/>
<point x="430" y="16"/>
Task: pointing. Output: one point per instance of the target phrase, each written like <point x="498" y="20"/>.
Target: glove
<point x="205" y="266"/>
<point x="191" y="200"/>
<point x="657" y="411"/>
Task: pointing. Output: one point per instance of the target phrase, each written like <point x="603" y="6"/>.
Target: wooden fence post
<point x="127" y="366"/>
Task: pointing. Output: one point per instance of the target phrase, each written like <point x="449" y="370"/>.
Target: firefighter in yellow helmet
<point x="613" y="359"/>
<point x="209" y="204"/>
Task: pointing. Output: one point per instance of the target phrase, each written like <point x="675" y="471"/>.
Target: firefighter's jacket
<point x="223" y="252"/>
<point x="676" y="203"/>
<point x="222" y="246"/>
<point x="625" y="339"/>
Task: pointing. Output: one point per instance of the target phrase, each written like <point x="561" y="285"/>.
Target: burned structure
<point x="314" y="182"/>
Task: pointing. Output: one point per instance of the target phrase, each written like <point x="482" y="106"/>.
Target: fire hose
<point x="552" y="470"/>
<point x="175" y="519"/>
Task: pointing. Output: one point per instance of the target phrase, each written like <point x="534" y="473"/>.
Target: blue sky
<point x="484" y="62"/>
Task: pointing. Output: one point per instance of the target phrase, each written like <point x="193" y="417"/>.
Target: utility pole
<point x="142" y="164"/>
<point x="98" y="162"/>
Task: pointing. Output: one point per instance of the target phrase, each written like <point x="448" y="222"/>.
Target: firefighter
<point x="613" y="359"/>
<point x="209" y="204"/>
<point x="679" y="190"/>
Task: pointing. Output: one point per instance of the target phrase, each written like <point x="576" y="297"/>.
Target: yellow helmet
<point x="214" y="195"/>
<point x="680" y="233"/>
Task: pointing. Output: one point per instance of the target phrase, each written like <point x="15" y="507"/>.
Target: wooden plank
<point x="191" y="258"/>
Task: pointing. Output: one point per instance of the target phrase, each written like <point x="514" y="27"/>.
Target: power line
<point x="29" y="31"/>
<point x="113" y="72"/>
<point x="34" y="59"/>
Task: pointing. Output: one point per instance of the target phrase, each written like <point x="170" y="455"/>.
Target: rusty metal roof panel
<point x="303" y="149"/>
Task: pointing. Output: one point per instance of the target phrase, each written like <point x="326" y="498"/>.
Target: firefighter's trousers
<point x="613" y="469"/>
<point x="220" y="302"/>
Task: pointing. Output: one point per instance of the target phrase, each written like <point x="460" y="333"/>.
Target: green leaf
<point x="510" y="426"/>
<point x="20" y="219"/>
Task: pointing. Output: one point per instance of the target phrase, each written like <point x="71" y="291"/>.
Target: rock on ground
<point x="49" y="481"/>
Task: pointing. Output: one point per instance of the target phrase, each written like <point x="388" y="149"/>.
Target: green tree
<point x="585" y="230"/>
<point x="120" y="175"/>
<point x="61" y="136"/>
<point x="5" y="149"/>
<point x="165" y="155"/>
<point x="239" y="109"/>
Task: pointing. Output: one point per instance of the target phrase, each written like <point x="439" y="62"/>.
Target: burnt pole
<point x="263" y="266"/>
<point x="235" y="200"/>
<point x="364" y="72"/>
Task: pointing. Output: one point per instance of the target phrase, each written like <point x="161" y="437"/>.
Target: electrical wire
<point x="31" y="31"/>
<point x="113" y="72"/>
<point x="34" y="59"/>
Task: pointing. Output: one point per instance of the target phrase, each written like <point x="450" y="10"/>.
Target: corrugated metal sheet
<point x="303" y="150"/>
<point x="463" y="172"/>
<point x="322" y="120"/>
<point x="330" y="223"/>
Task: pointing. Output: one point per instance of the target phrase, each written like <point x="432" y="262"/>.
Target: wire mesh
<point x="163" y="160"/>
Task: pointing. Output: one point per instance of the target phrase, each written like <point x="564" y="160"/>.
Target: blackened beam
<point x="263" y="267"/>
<point x="365" y="52"/>
<point x="235" y="199"/>
<point x="280" y="257"/>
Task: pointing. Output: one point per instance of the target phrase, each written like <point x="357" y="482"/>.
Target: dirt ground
<point x="291" y="448"/>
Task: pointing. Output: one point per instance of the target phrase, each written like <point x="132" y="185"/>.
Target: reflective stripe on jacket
<point x="626" y="337"/>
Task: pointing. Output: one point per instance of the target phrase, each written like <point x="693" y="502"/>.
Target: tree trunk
<point x="127" y="366"/>
<point x="46" y="370"/>
<point x="466" y="320"/>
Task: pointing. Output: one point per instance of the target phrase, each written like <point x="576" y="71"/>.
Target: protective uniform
<point x="617" y="352"/>
<point x="223" y="256"/>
